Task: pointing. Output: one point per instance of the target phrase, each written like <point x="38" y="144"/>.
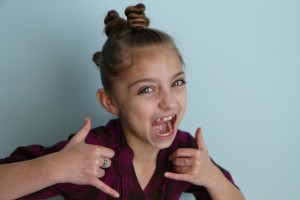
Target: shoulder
<point x="106" y="135"/>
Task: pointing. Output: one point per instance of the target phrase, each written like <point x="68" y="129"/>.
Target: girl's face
<point x="151" y="98"/>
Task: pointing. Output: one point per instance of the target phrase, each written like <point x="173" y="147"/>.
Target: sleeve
<point x="31" y="152"/>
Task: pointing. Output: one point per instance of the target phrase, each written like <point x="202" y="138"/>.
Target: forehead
<point x="154" y="58"/>
<point x="155" y="63"/>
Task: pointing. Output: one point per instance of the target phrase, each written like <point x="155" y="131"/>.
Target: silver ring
<point x="105" y="163"/>
<point x="186" y="162"/>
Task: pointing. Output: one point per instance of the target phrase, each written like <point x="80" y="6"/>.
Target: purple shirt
<point x="120" y="175"/>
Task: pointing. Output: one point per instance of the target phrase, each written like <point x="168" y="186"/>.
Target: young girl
<point x="139" y="155"/>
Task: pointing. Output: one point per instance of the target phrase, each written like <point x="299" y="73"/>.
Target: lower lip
<point x="165" y="137"/>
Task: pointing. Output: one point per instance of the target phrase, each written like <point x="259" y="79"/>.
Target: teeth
<point x="167" y="118"/>
<point x="163" y="127"/>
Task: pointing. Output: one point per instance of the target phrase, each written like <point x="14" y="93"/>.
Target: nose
<point x="167" y="100"/>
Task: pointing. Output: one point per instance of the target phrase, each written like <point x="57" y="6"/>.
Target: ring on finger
<point x="186" y="162"/>
<point x="105" y="163"/>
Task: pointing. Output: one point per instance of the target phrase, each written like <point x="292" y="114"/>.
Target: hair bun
<point x="113" y="22"/>
<point x="97" y="58"/>
<point x="136" y="18"/>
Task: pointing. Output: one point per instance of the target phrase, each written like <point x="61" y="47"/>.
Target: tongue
<point x="161" y="128"/>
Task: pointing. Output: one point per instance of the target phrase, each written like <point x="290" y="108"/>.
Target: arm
<point x="22" y="178"/>
<point x="77" y="163"/>
<point x="196" y="167"/>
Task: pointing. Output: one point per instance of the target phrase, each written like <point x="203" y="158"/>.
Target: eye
<point x="179" y="82"/>
<point x="145" y="90"/>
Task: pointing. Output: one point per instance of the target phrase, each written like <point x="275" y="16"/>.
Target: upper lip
<point x="164" y="119"/>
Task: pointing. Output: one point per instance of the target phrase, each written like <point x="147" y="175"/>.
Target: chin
<point x="165" y="142"/>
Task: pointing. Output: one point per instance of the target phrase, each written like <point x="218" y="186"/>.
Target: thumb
<point x="80" y="136"/>
<point x="200" y="141"/>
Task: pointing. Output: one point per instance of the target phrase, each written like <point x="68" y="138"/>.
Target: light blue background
<point x="242" y="63"/>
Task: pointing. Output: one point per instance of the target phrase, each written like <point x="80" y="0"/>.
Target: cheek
<point x="184" y="102"/>
<point x="135" y="109"/>
<point x="183" y="98"/>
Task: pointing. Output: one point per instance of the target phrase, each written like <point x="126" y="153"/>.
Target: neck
<point x="143" y="152"/>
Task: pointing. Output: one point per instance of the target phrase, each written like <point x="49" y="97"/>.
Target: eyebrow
<point x="153" y="79"/>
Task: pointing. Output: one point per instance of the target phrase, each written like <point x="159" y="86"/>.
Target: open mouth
<point x="163" y="127"/>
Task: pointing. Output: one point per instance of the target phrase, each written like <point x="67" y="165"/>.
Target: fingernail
<point x="117" y="195"/>
<point x="86" y="120"/>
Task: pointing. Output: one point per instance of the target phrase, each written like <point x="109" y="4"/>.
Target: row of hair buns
<point x="136" y="19"/>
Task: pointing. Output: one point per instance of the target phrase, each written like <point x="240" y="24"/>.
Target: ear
<point x="107" y="102"/>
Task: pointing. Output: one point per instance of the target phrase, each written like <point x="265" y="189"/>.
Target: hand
<point x="81" y="163"/>
<point x="192" y="165"/>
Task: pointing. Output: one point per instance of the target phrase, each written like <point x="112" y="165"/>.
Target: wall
<point x="242" y="63"/>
